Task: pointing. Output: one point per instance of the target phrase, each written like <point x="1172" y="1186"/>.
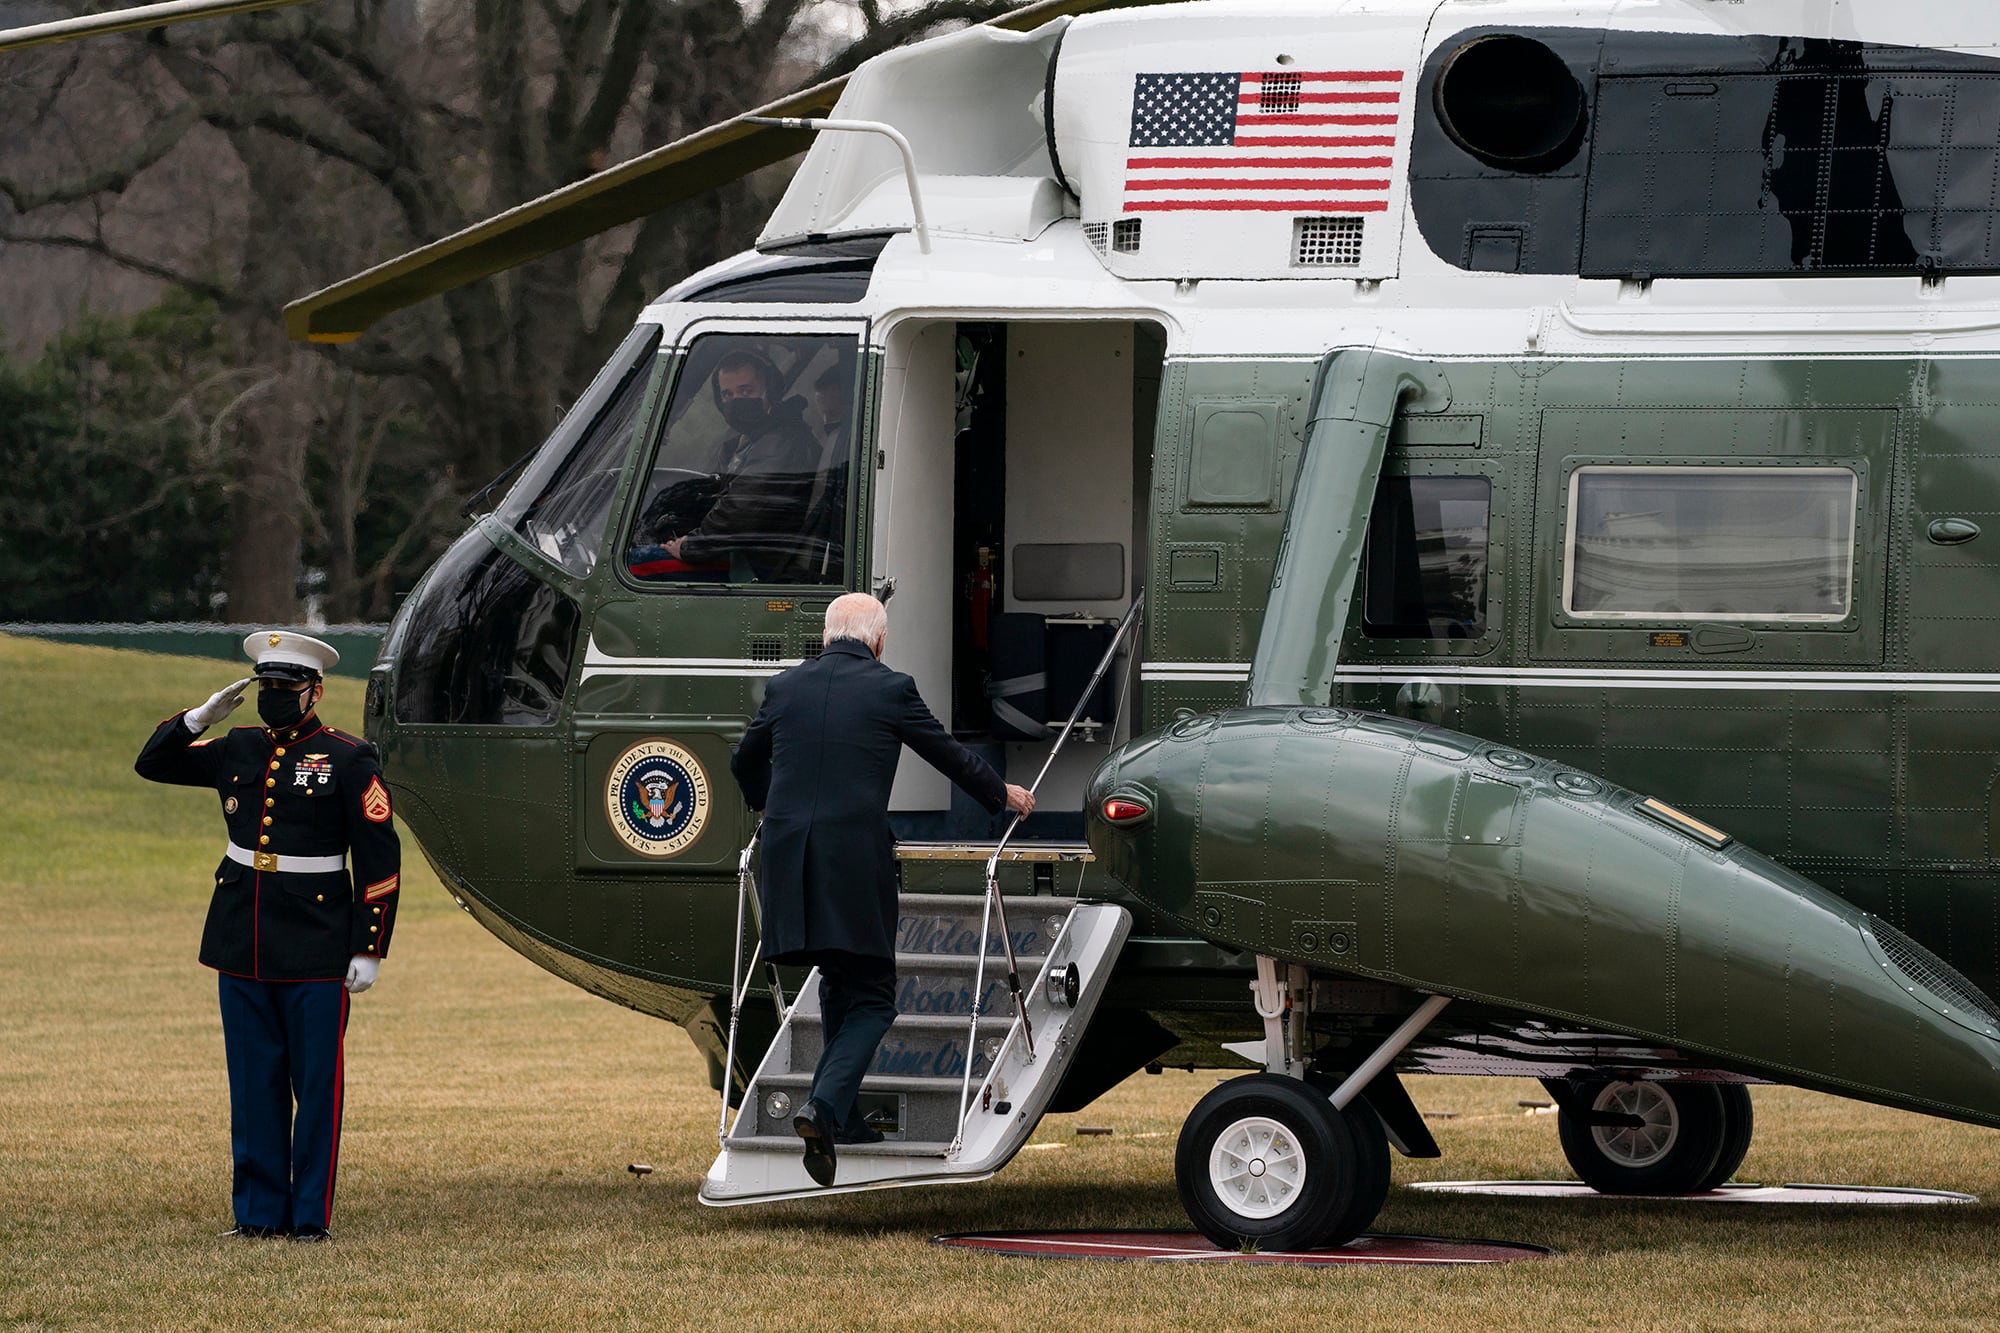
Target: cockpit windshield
<point x="562" y="501"/>
<point x="750" y="481"/>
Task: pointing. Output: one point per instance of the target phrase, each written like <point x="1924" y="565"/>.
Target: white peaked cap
<point x="284" y="648"/>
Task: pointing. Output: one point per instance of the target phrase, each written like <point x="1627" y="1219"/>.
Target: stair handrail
<point x="739" y="986"/>
<point x="992" y="894"/>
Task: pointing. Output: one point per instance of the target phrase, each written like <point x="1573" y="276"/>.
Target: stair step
<point x="916" y="1045"/>
<point x="992" y="1022"/>
<point x="1075" y="852"/>
<point x="948" y="924"/>
<point x="887" y="1148"/>
<point x="872" y="1083"/>
<point x="976" y="902"/>
<point x="966" y="962"/>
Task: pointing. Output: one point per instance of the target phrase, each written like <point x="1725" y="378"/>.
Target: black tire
<point x="1680" y="1147"/>
<point x="1371" y="1184"/>
<point x="1371" y="1139"/>
<point x="1297" y="1195"/>
<point x="1739" y="1122"/>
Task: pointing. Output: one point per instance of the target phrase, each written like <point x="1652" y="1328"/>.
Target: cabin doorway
<point x="1014" y="465"/>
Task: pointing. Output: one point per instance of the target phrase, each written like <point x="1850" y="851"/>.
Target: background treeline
<point x="169" y="454"/>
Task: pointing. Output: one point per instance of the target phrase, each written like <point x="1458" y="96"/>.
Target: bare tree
<point x="346" y="131"/>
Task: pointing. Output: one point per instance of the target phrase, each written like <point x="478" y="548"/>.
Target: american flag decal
<point x="1281" y="141"/>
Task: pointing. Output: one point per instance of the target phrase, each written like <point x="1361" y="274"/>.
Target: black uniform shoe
<point x="244" y="1231"/>
<point x="814" y="1124"/>
<point x="311" y="1235"/>
<point x="860" y="1133"/>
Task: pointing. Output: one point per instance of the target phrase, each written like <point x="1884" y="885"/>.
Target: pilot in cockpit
<point x="763" y="485"/>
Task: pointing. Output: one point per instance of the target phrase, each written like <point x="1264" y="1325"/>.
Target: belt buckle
<point x="264" y="860"/>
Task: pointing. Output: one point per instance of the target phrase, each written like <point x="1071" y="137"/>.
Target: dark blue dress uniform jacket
<point x="308" y="790"/>
<point x="818" y="760"/>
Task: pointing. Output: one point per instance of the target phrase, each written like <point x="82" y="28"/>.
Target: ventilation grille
<point x="1278" y="94"/>
<point x="767" y="649"/>
<point x="1098" y="234"/>
<point x="1326" y="242"/>
<point x="1931" y="972"/>
<point x="1125" y="236"/>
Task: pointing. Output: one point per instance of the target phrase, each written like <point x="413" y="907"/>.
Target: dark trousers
<point x="857" y="1003"/>
<point x="283" y="1041"/>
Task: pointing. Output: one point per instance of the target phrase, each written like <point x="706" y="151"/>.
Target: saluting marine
<point x="292" y="930"/>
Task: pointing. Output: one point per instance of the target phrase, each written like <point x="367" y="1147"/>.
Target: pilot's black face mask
<point x="282" y="708"/>
<point x="746" y="416"/>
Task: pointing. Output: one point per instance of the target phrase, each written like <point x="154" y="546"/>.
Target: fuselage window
<point x="562" y="501"/>
<point x="1710" y="543"/>
<point x="750" y="482"/>
<point x="1427" y="547"/>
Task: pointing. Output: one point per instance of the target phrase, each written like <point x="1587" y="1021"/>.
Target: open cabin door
<point x="1010" y="513"/>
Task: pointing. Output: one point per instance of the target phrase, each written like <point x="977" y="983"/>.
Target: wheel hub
<point x="1639" y="1145"/>
<point x="1257" y="1167"/>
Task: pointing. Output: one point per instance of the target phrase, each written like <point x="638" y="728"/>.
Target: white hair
<point x="856" y="615"/>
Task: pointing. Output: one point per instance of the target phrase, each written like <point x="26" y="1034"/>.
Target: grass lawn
<point x="492" y="1111"/>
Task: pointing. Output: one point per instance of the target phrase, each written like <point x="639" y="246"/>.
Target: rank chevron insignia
<point x="375" y="801"/>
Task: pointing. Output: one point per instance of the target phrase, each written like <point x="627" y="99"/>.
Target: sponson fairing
<point x="1380" y="847"/>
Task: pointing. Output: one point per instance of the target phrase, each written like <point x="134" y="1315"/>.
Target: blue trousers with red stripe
<point x="283" y="1042"/>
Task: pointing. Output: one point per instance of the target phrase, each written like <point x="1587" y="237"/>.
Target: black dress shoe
<point x="311" y="1235"/>
<point x="815" y="1125"/>
<point x="245" y="1231"/>
<point x="861" y="1133"/>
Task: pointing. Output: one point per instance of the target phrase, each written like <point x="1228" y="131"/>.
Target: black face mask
<point x="282" y="708"/>
<point x="747" y="416"/>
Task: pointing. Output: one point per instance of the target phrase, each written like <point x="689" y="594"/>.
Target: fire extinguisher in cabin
<point x="979" y="595"/>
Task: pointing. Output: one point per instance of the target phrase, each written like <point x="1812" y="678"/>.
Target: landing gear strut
<point x="1279" y="1161"/>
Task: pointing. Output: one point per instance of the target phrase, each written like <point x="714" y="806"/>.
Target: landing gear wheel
<point x="1371" y="1185"/>
<point x="1371" y="1140"/>
<point x="1738" y="1123"/>
<point x="1266" y="1161"/>
<point x="1673" y="1152"/>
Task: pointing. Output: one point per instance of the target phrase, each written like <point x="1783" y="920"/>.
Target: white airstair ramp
<point x="944" y="1117"/>
<point x="992" y="998"/>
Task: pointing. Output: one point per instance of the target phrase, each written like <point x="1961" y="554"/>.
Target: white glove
<point x="361" y="970"/>
<point x="220" y="705"/>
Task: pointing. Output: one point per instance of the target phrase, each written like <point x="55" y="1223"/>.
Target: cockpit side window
<point x="749" y="483"/>
<point x="561" y="503"/>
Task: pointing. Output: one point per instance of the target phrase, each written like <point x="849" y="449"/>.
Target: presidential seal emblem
<point x="657" y="798"/>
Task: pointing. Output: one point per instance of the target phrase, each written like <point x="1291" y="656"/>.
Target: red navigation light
<point x="1119" y="810"/>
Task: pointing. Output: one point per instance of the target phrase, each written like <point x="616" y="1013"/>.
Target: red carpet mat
<point x="1189" y="1247"/>
<point x="1819" y="1194"/>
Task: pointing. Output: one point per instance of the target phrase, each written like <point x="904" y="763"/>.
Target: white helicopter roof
<point x="1232" y="139"/>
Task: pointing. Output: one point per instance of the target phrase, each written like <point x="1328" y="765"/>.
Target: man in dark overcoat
<point x="818" y="761"/>
<point x="305" y="898"/>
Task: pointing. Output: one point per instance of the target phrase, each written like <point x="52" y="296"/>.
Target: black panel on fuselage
<point x="1730" y="157"/>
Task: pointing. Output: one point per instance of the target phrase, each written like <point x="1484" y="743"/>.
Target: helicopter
<point x="1470" y="511"/>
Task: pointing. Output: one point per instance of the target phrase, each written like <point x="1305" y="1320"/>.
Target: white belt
<point x="295" y="865"/>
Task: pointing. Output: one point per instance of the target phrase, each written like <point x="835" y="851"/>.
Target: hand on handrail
<point x="1020" y="800"/>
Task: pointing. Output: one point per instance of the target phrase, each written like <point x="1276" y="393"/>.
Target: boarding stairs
<point x="993" y="994"/>
<point x="942" y="1117"/>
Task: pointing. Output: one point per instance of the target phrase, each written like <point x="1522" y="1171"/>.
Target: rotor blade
<point x="129" y="20"/>
<point x="631" y="190"/>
